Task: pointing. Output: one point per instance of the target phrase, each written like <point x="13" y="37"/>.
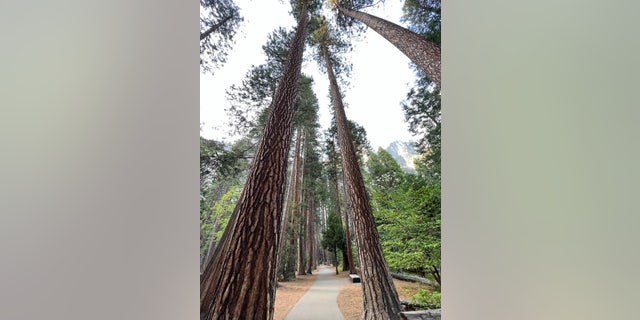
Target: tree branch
<point x="215" y="27"/>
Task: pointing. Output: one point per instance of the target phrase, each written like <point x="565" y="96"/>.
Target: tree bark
<point x="380" y="298"/>
<point x="424" y="53"/>
<point x="239" y="282"/>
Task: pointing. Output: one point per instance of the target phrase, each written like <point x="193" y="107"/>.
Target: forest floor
<point x="288" y="293"/>
<point x="349" y="297"/>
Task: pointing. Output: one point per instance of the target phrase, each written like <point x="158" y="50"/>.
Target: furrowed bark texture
<point x="425" y="54"/>
<point x="240" y="280"/>
<point x="380" y="298"/>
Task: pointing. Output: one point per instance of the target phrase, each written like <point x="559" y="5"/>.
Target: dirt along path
<point x="320" y="301"/>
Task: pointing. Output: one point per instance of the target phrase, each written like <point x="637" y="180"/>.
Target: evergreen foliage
<point x="408" y="217"/>
<point x="219" y="21"/>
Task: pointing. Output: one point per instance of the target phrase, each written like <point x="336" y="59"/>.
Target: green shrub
<point x="431" y="299"/>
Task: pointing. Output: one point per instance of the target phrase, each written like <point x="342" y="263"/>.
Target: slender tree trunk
<point x="345" y="260"/>
<point x="296" y="206"/>
<point x="348" y="260"/>
<point x="203" y="260"/>
<point x="290" y="185"/>
<point x="286" y="268"/>
<point x="291" y="252"/>
<point x="302" y="213"/>
<point x="352" y="267"/>
<point x="380" y="298"/>
<point x="239" y="282"/>
<point x="436" y="274"/>
<point x="424" y="53"/>
<point x="212" y="243"/>
<point x="316" y="244"/>
<point x="310" y="236"/>
<point x="321" y="227"/>
<point x="215" y="27"/>
<point x="302" y="240"/>
<point x="335" y="258"/>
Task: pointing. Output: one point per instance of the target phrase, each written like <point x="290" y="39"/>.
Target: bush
<point x="431" y="299"/>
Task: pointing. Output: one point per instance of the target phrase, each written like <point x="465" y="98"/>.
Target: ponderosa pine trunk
<point x="240" y="281"/>
<point x="424" y="53"/>
<point x="380" y="298"/>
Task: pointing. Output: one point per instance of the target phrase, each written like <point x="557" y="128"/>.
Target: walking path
<point x="320" y="302"/>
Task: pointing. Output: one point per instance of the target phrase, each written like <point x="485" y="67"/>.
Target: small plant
<point x="431" y="299"/>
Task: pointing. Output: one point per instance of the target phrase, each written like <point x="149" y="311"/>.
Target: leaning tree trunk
<point x="239" y="282"/>
<point x="380" y="298"/>
<point x="424" y="53"/>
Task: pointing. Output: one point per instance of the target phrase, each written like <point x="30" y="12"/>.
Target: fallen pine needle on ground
<point x="350" y="296"/>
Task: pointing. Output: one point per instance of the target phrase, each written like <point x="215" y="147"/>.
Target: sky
<point x="380" y="78"/>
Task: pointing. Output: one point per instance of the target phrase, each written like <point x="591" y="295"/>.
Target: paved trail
<point x="320" y="302"/>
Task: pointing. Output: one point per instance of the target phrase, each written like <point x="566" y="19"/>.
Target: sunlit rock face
<point x="403" y="153"/>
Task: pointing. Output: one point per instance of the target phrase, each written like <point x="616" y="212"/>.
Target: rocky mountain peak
<point x="404" y="153"/>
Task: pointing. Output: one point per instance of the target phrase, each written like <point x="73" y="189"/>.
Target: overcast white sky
<point x="379" y="80"/>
